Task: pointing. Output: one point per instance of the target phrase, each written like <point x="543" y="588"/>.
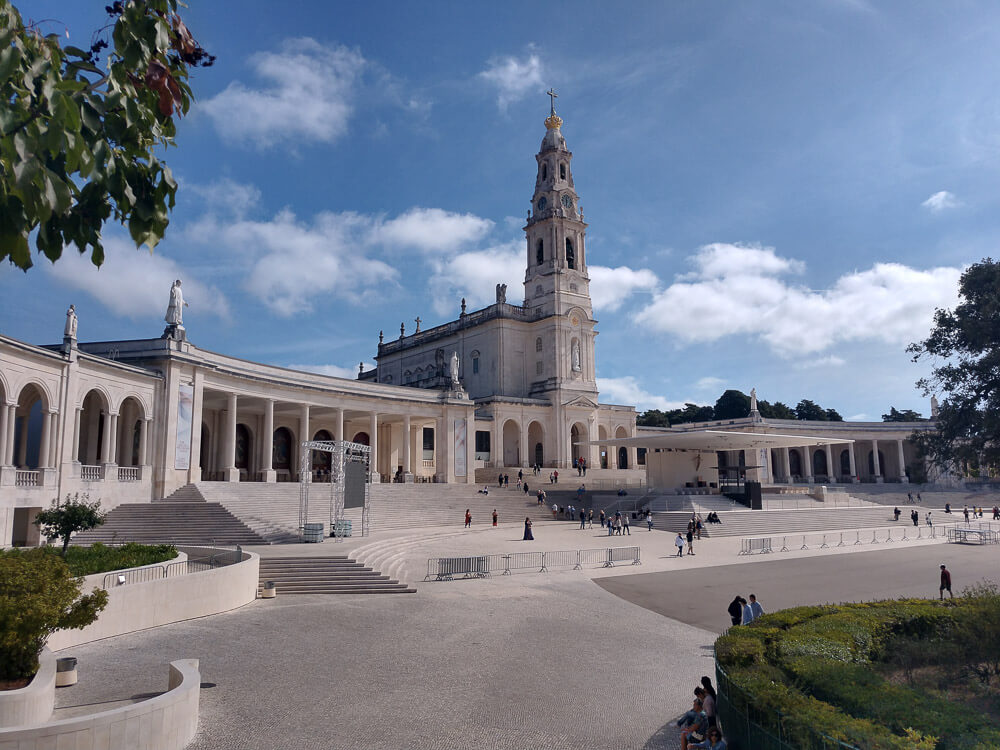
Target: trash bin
<point x="66" y="671"/>
<point x="312" y="532"/>
<point x="268" y="591"/>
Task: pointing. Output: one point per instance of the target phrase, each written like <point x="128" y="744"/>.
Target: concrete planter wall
<point x="33" y="703"/>
<point x="137" y="606"/>
<point x="166" y="722"/>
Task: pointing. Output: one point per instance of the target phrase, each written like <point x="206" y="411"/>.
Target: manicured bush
<point x="812" y="670"/>
<point x="38" y="596"/>
<point x="85" y="561"/>
<point x="62" y="520"/>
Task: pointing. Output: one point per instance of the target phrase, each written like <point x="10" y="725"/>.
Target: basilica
<point x="506" y="387"/>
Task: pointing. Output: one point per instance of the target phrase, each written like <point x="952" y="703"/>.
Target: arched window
<point x="545" y="171"/>
<point x="407" y="376"/>
<point x="562" y="170"/>
<point x="538" y="344"/>
<point x="540" y="252"/>
<point x="475" y="363"/>
<point x="570" y="254"/>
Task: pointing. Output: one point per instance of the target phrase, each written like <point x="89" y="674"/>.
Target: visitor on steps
<point x="494" y="518"/>
<point x="468" y="518"/>
<point x="679" y="543"/>
<point x="528" y="536"/>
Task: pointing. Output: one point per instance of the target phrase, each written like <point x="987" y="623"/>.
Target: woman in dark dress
<point x="528" y="536"/>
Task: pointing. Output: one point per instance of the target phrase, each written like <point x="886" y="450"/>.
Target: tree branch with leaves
<point x="78" y="141"/>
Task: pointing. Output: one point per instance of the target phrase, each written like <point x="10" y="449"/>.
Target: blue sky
<point x="779" y="194"/>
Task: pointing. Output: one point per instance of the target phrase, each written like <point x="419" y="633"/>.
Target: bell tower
<point x="556" y="278"/>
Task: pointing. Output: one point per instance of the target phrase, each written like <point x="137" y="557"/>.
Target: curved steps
<point x="326" y="575"/>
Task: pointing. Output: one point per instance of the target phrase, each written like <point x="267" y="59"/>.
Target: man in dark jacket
<point x="736" y="610"/>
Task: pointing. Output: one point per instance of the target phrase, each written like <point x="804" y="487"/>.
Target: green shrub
<point x="737" y="649"/>
<point x="62" y="520"/>
<point x="38" y="596"/>
<point x="85" y="561"/>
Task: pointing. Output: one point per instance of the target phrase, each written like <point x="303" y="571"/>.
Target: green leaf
<point x="10" y="58"/>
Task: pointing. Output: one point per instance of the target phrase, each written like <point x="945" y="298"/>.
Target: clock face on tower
<point x="542" y="203"/>
<point x="567" y="201"/>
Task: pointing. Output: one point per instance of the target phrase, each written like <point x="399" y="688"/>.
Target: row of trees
<point x="735" y="404"/>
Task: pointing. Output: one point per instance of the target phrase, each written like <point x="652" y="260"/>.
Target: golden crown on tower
<point x="553" y="122"/>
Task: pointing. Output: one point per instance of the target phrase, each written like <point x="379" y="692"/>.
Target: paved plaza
<point x="566" y="659"/>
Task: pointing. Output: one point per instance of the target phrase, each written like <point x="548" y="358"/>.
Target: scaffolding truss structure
<point x="349" y="464"/>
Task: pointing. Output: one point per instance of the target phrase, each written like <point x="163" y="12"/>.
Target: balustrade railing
<point x="24" y="478"/>
<point x="128" y="473"/>
<point x="91" y="473"/>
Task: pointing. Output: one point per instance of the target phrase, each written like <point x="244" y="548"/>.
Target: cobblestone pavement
<point x="532" y="663"/>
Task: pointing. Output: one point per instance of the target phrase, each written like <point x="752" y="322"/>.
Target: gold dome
<point x="553" y="122"/>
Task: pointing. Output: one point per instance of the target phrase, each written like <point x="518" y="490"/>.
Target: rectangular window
<point x="475" y="365"/>
<point x="482" y="445"/>
<point x="640" y="456"/>
<point x="538" y="368"/>
<point x="428" y="454"/>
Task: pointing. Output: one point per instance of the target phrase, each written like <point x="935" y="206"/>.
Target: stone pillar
<point x="11" y="422"/>
<point x="106" y="454"/>
<point x="197" y="419"/>
<point x="831" y="472"/>
<point x="22" y="444"/>
<point x="4" y="418"/>
<point x="143" y="442"/>
<point x="44" y="442"/>
<point x="853" y="463"/>
<point x="593" y="452"/>
<point x="231" y="473"/>
<point x="522" y="447"/>
<point x="876" y="463"/>
<point x="807" y="464"/>
<point x="268" y="474"/>
<point x="902" y="463"/>
<point x="443" y="465"/>
<point x="304" y="434"/>
<point x="77" y="418"/>
<point x="407" y="462"/>
<point x="786" y="467"/>
<point x="338" y="425"/>
<point x="113" y="452"/>
<point x="496" y="448"/>
<point x="373" y="442"/>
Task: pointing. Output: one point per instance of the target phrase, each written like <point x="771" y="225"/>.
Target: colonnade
<point x="780" y="463"/>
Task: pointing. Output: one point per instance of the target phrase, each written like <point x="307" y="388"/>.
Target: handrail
<point x="850" y="537"/>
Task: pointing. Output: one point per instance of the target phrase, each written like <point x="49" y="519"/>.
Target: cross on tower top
<point x="552" y="99"/>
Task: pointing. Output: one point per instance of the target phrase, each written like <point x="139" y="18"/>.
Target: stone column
<point x="22" y="444"/>
<point x="197" y="419"/>
<point x="143" y="442"/>
<point x="496" y="448"/>
<point x="786" y="466"/>
<point x="522" y="447"/>
<point x="268" y="474"/>
<point x="106" y="454"/>
<point x="113" y="452"/>
<point x="304" y="434"/>
<point x="593" y="452"/>
<point x="338" y="425"/>
<point x="853" y="464"/>
<point x="77" y="418"/>
<point x="442" y="450"/>
<point x="902" y="463"/>
<point x="407" y="463"/>
<point x="231" y="473"/>
<point x="807" y="464"/>
<point x="373" y="442"/>
<point x="3" y="432"/>
<point x="831" y="472"/>
<point x="876" y="463"/>
<point x="8" y="459"/>
<point x="43" y="443"/>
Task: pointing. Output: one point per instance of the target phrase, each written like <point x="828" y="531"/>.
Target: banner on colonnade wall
<point x="185" y="404"/>
<point x="765" y="467"/>
<point x="461" y="463"/>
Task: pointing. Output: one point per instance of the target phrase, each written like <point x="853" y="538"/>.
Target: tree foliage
<point x="38" y="596"/>
<point x="906" y="415"/>
<point x="78" y="142"/>
<point x="964" y="347"/>
<point x="734" y="404"/>
<point x="62" y="520"/>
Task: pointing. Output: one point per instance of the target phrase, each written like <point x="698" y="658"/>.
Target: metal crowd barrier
<point x="480" y="566"/>
<point x="855" y="537"/>
<point x="217" y="558"/>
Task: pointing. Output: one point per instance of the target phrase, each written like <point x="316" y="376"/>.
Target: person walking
<point x="736" y="609"/>
<point x="526" y="490"/>
<point x="468" y="519"/>
<point x="929" y="519"/>
<point x="555" y="511"/>
<point x="649" y="521"/>
<point x="626" y="529"/>
<point x="945" y="582"/>
<point x="590" y="519"/>
<point x="602" y="518"/>
<point x="520" y="474"/>
<point x="583" y="519"/>
<point x="555" y="477"/>
<point x="528" y="536"/>
<point x="679" y="543"/>
<point x="747" y="615"/>
<point x="506" y="480"/>
<point x="690" y="541"/>
<point x="895" y="513"/>
<point x="996" y="513"/>
<point x="494" y="518"/>
<point x="965" y="512"/>
<point x="914" y="517"/>
<point x="611" y="527"/>
<point x="755" y="609"/>
<point x="698" y="527"/>
<point x="500" y="481"/>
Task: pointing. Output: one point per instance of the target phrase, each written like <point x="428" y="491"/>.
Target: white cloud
<point x="335" y="371"/>
<point x="293" y="262"/>
<point x="816" y="363"/>
<point x="610" y="286"/>
<point x="307" y="94"/>
<point x="941" y="201"/>
<point x="711" y="383"/>
<point x="474" y="275"/>
<point x="626" y="390"/>
<point x="860" y="417"/>
<point x="136" y="283"/>
<point x="432" y="230"/>
<point x="737" y="290"/>
<point x="228" y="196"/>
<point x="513" y="78"/>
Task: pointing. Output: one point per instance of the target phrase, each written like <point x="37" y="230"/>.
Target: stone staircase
<point x="271" y="510"/>
<point x="179" y="523"/>
<point x="783" y="522"/>
<point x="326" y="575"/>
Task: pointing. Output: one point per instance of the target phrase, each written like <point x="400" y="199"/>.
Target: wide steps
<point x="174" y="523"/>
<point x="326" y="575"/>
<point x="785" y="522"/>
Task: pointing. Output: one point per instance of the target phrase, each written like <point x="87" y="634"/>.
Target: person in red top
<point x="945" y="582"/>
<point x="468" y="519"/>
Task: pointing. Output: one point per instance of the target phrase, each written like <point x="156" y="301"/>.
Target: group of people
<point x="580" y="464"/>
<point x="915" y="517"/>
<point x="617" y="525"/>
<point x="700" y="726"/>
<point x="743" y="612"/>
